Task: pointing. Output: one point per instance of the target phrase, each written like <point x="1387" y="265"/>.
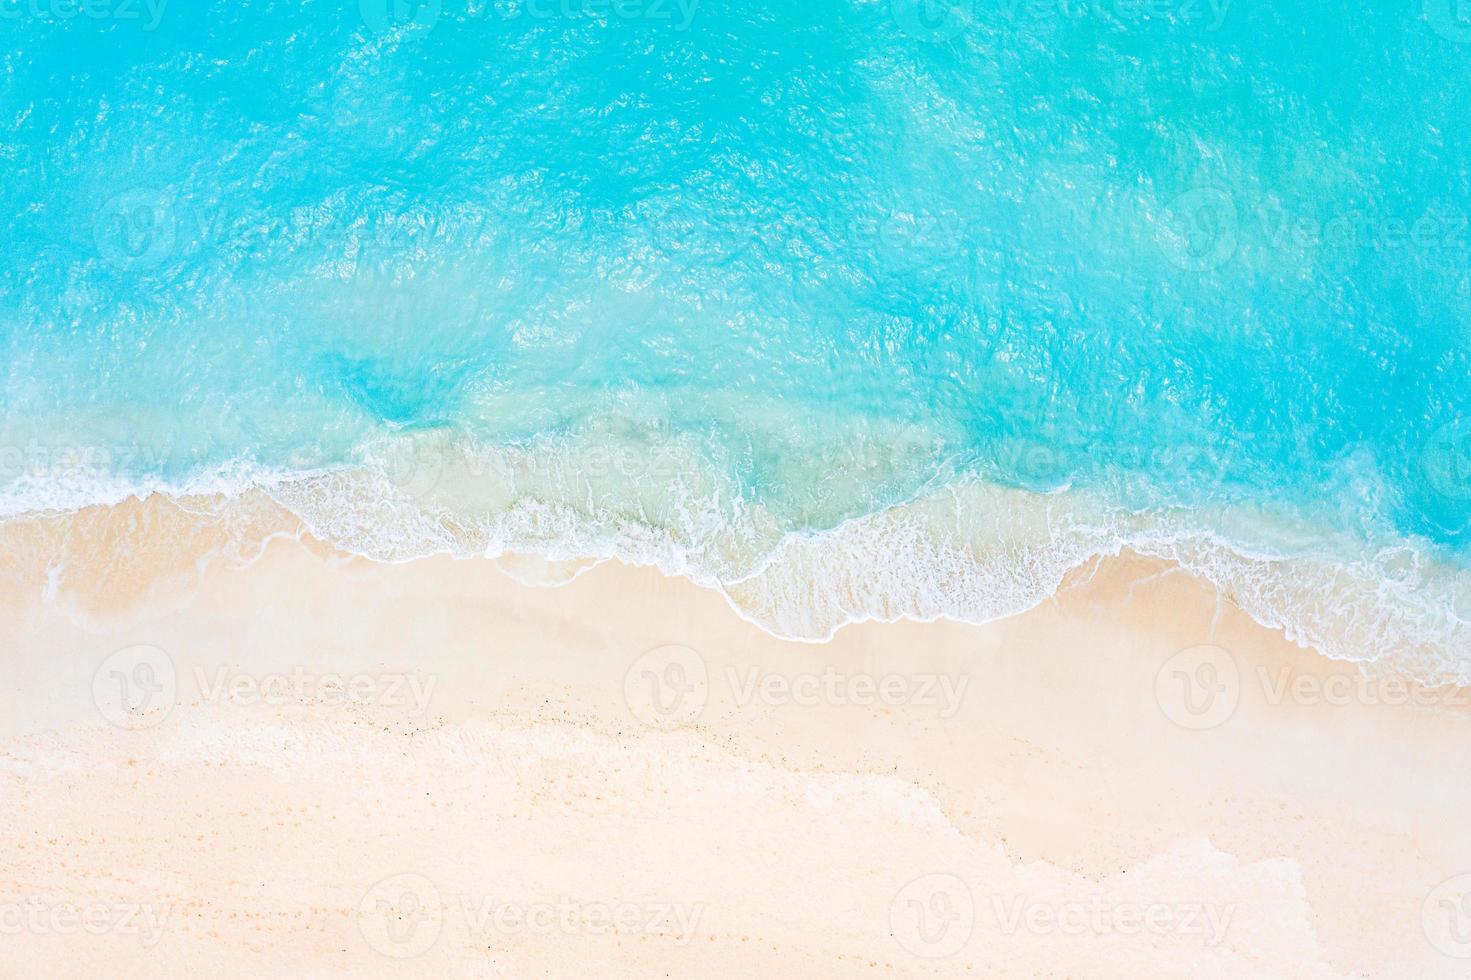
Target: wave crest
<point x="966" y="550"/>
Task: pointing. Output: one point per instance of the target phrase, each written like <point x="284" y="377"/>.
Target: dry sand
<point x="289" y="762"/>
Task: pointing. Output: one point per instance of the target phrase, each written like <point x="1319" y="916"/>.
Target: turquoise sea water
<point x="695" y="276"/>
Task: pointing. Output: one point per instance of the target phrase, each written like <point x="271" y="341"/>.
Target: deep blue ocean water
<point x="1178" y="255"/>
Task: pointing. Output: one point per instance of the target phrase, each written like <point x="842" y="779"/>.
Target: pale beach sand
<point x="613" y="774"/>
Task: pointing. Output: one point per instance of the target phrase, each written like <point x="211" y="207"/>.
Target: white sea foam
<point x="965" y="549"/>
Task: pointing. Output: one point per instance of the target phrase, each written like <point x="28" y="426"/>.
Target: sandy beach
<point x="288" y="761"/>
<point x="665" y="490"/>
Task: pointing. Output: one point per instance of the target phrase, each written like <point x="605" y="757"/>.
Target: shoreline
<point x="1048" y="776"/>
<point x="968" y="552"/>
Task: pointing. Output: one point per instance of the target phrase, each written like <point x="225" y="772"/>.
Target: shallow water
<point x="716" y="274"/>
